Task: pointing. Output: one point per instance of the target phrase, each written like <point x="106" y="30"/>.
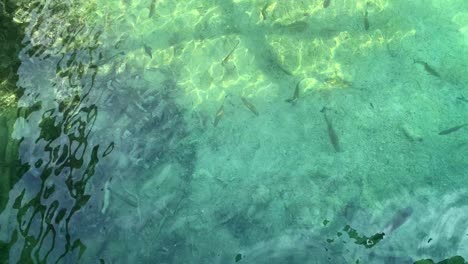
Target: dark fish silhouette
<point x="152" y="8"/>
<point x="249" y="105"/>
<point x="366" y="18"/>
<point x="428" y="68"/>
<point x="295" y="96"/>
<point x="398" y="219"/>
<point x="452" y="129"/>
<point x="229" y="55"/>
<point x="331" y="132"/>
<point x="219" y="115"/>
<point x="263" y="12"/>
<point x="148" y="50"/>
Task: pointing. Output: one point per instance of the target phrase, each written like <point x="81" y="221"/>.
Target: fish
<point x="152" y="8"/>
<point x="226" y="59"/>
<point x="263" y="12"/>
<point x="452" y="129"/>
<point x="294" y="27"/>
<point x="103" y="61"/>
<point x="295" y="96"/>
<point x="219" y="115"/>
<point x="462" y="98"/>
<point x="284" y="70"/>
<point x="326" y="3"/>
<point x="331" y="132"/>
<point x="398" y="219"/>
<point x="366" y="20"/>
<point x="428" y="68"/>
<point x="249" y="105"/>
<point x="129" y="199"/>
<point x="148" y="50"/>
<point x="267" y="8"/>
<point x="366" y="17"/>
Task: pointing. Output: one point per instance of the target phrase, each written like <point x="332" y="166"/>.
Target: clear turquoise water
<point x="233" y="131"/>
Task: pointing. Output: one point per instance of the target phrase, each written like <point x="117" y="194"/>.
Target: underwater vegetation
<point x="452" y="260"/>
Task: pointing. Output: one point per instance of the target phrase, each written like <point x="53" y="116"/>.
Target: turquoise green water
<point x="151" y="131"/>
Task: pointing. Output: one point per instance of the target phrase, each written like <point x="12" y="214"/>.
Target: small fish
<point x="267" y="8"/>
<point x="294" y="27"/>
<point x="249" y="105"/>
<point x="462" y="98"/>
<point x="285" y="70"/>
<point x="152" y="8"/>
<point x="106" y="60"/>
<point x="129" y="199"/>
<point x="398" y="219"/>
<point x="264" y="12"/>
<point x="295" y="96"/>
<point x="331" y="132"/>
<point x="326" y="3"/>
<point x="148" y="50"/>
<point x="452" y="129"/>
<point x="366" y="21"/>
<point x="428" y="68"/>
<point x="228" y="57"/>
<point x="219" y="115"/>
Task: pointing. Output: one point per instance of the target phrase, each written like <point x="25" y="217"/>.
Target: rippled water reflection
<point x="229" y="131"/>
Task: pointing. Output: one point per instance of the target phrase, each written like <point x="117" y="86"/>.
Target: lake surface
<point x="222" y="131"/>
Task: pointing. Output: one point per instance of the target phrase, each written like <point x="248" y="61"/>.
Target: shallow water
<point x="233" y="131"/>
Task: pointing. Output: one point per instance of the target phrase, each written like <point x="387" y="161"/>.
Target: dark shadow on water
<point x="47" y="169"/>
